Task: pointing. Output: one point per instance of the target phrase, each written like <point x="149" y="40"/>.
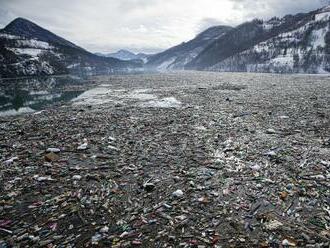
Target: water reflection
<point x="26" y="95"/>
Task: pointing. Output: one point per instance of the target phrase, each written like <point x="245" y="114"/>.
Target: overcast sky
<point x="142" y="25"/>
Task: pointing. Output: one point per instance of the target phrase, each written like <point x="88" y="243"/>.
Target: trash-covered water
<point x="136" y="97"/>
<point x="30" y="95"/>
<point x="189" y="159"/>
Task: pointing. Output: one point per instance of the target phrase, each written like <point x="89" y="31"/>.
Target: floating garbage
<point x="183" y="159"/>
<point x="53" y="150"/>
<point x="178" y="193"/>
<point x="82" y="146"/>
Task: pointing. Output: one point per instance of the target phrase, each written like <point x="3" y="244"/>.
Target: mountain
<point x="125" y="55"/>
<point x="303" y="49"/>
<point x="28" y="29"/>
<point x="177" y="57"/>
<point x="143" y="56"/>
<point x="292" y="44"/>
<point x="27" y="49"/>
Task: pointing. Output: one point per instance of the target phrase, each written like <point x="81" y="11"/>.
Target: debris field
<point x="186" y="159"/>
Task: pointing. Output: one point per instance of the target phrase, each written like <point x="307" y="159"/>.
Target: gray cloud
<point x="268" y="8"/>
<point x="209" y="22"/>
<point x="142" y="25"/>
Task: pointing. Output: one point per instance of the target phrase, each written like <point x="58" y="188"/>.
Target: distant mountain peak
<point x="124" y="51"/>
<point x="125" y="55"/>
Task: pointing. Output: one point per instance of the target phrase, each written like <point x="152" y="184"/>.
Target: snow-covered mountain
<point x="126" y="55"/>
<point x="292" y="44"/>
<point x="28" y="49"/>
<point x="177" y="57"/>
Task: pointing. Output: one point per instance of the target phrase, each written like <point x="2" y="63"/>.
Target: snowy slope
<point x="177" y="57"/>
<point x="303" y="50"/>
<point x="22" y="56"/>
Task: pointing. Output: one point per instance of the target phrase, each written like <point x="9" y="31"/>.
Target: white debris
<point x="96" y="238"/>
<point x="168" y="102"/>
<point x="113" y="148"/>
<point x="124" y="234"/>
<point x="318" y="177"/>
<point x="42" y="179"/>
<point x="104" y="229"/>
<point x="270" y="131"/>
<point x="286" y="242"/>
<point x="256" y="167"/>
<point x="271" y="154"/>
<point x="10" y="161"/>
<point x="39" y="112"/>
<point x="83" y="146"/>
<point x="273" y="225"/>
<point x="76" y="177"/>
<point x="27" y="51"/>
<point x="54" y="150"/>
<point x="178" y="193"/>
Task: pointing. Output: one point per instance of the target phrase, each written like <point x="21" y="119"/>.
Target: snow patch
<point x="267" y="26"/>
<point x="33" y="52"/>
<point x="164" y="66"/>
<point x="283" y="60"/>
<point x="38" y="93"/>
<point x="322" y="16"/>
<point x="319" y="37"/>
<point x="34" y="44"/>
<point x="9" y="36"/>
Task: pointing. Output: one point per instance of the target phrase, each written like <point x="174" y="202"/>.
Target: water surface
<point x="27" y="95"/>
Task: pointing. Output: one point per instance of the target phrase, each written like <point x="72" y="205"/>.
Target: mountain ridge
<point x="297" y="43"/>
<point x="125" y="55"/>
<point x="27" y="49"/>
<point x="233" y="50"/>
<point x="176" y="57"/>
<point x="24" y="27"/>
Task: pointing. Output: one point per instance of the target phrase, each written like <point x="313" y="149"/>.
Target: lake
<point x="25" y="95"/>
<point x="28" y="95"/>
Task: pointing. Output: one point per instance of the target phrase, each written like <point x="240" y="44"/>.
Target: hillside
<point x="293" y="44"/>
<point x="27" y="49"/>
<point x="177" y="57"/>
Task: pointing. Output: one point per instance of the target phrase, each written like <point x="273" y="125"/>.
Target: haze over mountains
<point x="177" y="57"/>
<point x="125" y="55"/>
<point x="293" y="44"/>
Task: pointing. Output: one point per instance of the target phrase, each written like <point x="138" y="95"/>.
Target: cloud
<point x="210" y="22"/>
<point x="268" y="8"/>
<point x="141" y="25"/>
